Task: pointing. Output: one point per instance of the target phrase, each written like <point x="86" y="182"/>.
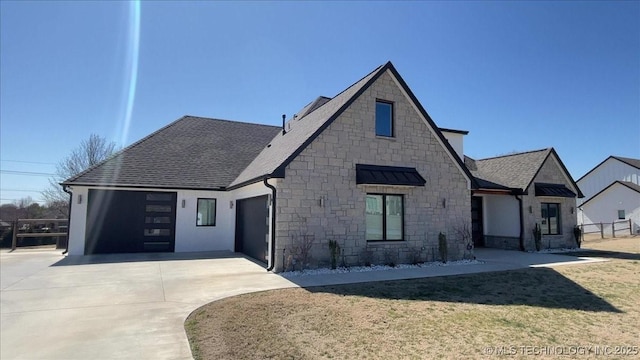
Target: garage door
<point x="252" y="219"/>
<point x="130" y="222"/>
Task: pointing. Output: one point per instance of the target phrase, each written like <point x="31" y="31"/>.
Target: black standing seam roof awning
<point x="558" y="190"/>
<point x="388" y="175"/>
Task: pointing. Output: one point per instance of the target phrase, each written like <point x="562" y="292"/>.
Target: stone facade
<point x="552" y="173"/>
<point x="502" y="242"/>
<point x="318" y="198"/>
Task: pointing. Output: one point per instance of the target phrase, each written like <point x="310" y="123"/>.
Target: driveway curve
<point x="113" y="306"/>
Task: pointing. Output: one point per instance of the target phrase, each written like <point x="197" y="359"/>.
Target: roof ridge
<point x="121" y="151"/>
<point x="227" y="120"/>
<point x="516" y="154"/>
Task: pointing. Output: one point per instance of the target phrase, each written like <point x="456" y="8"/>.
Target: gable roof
<point x="190" y="153"/>
<point x="628" y="184"/>
<point x="274" y="158"/>
<point x="513" y="171"/>
<point x="629" y="161"/>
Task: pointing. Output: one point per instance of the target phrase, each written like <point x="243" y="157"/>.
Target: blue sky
<point x="518" y="75"/>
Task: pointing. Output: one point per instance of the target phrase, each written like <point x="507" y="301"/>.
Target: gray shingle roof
<point x="190" y="153"/>
<point x="629" y="161"/>
<point x="284" y="147"/>
<point x="514" y="171"/>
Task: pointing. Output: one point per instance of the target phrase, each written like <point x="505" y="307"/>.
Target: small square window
<point x="206" y="212"/>
<point x="621" y="215"/>
<point x="384" y="118"/>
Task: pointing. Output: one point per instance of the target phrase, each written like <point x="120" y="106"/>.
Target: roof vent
<point x="284" y="116"/>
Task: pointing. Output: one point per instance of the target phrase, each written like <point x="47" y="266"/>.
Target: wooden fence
<point x="621" y="226"/>
<point x="26" y="231"/>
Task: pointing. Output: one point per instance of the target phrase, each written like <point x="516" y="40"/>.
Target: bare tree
<point x="90" y="152"/>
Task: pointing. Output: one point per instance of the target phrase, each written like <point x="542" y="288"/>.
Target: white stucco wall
<point x="501" y="215"/>
<point x="605" y="174"/>
<point x="78" y="220"/>
<point x="604" y="209"/>
<point x="188" y="236"/>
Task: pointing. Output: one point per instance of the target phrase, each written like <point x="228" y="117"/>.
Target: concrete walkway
<point x="134" y="306"/>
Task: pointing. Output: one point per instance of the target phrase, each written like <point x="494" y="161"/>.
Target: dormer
<point x="456" y="140"/>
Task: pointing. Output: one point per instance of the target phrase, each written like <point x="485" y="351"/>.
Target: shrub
<point x="334" y="251"/>
<point x="390" y="257"/>
<point x="366" y="257"/>
<point x="442" y="247"/>
<point x="537" y="237"/>
<point x="577" y="234"/>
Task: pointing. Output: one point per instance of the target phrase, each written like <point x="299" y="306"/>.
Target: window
<point x="384" y="118"/>
<point x="159" y="197"/>
<point x="550" y="219"/>
<point x="621" y="215"/>
<point x="206" y="212"/>
<point x="384" y="217"/>
<point x="158" y="208"/>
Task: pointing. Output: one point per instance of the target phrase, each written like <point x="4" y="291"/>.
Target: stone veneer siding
<point x="552" y="173"/>
<point x="326" y="170"/>
<point x="502" y="242"/>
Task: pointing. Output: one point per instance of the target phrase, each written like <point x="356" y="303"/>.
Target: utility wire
<point x="27" y="162"/>
<point x="29" y="173"/>
<point x="25" y="190"/>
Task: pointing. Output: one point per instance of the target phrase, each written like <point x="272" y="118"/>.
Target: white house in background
<point x="612" y="193"/>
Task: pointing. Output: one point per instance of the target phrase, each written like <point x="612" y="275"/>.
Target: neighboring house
<point x="515" y="192"/>
<point x="612" y="194"/>
<point x="368" y="168"/>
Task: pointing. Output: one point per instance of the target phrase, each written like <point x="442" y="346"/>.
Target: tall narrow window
<point x="550" y="219"/>
<point x="206" y="212"/>
<point x="621" y="215"/>
<point x="384" y="217"/>
<point x="384" y="118"/>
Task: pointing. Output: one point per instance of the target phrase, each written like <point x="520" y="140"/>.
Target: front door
<point x="477" y="230"/>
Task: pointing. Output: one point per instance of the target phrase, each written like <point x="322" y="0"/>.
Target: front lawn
<point x="536" y="311"/>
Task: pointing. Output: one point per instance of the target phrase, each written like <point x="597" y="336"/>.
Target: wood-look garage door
<point x="252" y="227"/>
<point x="130" y="221"/>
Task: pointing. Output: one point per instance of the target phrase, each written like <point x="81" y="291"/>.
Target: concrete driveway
<point x="106" y="307"/>
<point x="134" y="306"/>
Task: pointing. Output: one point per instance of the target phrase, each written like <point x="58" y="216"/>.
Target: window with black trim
<point x="621" y="215"/>
<point x="384" y="118"/>
<point x="206" y="212"/>
<point x="384" y="217"/>
<point x="550" y="219"/>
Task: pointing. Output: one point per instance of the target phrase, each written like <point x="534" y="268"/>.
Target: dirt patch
<point x="536" y="311"/>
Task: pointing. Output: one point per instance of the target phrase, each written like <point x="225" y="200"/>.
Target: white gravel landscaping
<point x="342" y="270"/>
